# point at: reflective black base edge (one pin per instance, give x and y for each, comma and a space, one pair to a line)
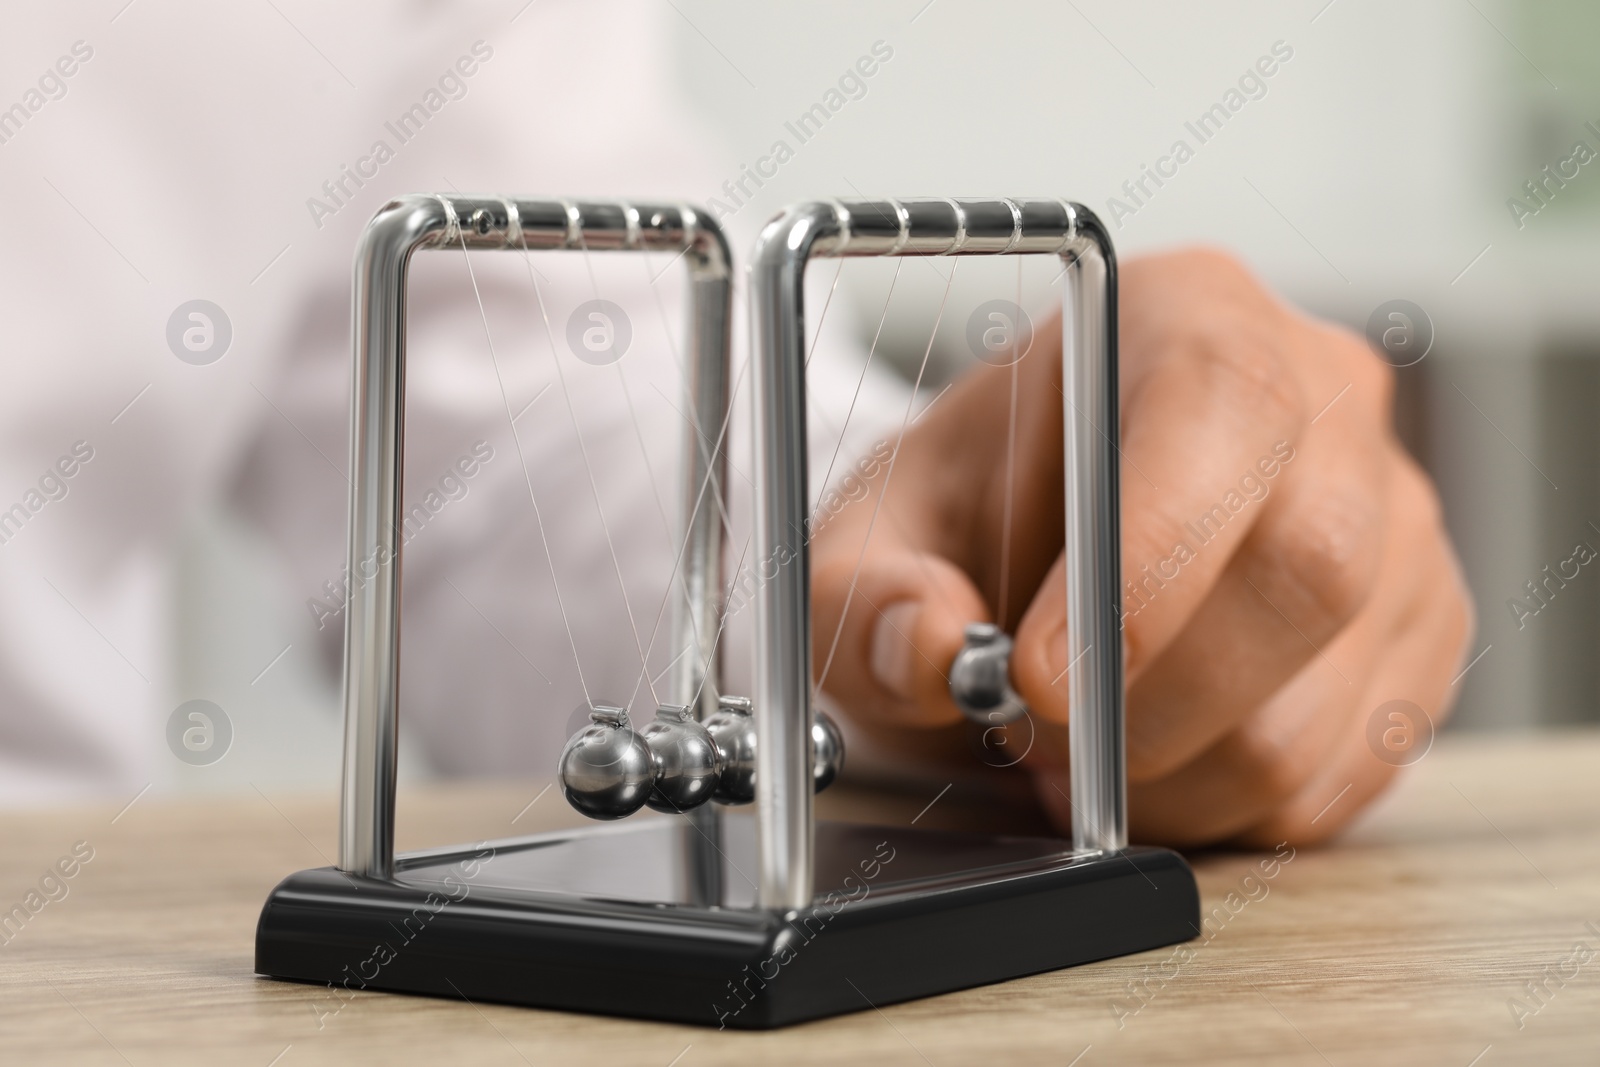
911, 913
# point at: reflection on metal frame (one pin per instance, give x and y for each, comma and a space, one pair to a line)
1093, 551
548, 922
372, 623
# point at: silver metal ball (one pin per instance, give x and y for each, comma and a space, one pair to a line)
688, 765
607, 770
734, 731
828, 751
733, 728
980, 677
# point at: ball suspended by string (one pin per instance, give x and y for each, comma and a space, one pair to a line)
607, 771
980, 677
688, 766
827, 745
733, 730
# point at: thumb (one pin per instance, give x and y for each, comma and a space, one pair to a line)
892, 573
886, 626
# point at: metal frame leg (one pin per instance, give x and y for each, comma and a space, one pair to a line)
372, 621
783, 597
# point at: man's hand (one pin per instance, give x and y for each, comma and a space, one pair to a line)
1286, 568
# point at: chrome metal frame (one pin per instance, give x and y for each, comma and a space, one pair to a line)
548, 927
1093, 548
372, 622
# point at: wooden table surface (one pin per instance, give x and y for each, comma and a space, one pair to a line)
1411, 940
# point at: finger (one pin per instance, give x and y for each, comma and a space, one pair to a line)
1040, 662
1218, 400
886, 636
1352, 777
1307, 568
1211, 403
1285, 745
1427, 651
1260, 764
899, 575
889, 611
1289, 589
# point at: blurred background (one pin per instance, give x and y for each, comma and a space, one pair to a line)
1383, 159
1377, 166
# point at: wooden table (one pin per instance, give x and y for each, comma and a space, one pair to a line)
1407, 942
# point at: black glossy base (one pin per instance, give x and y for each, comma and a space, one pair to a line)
621, 921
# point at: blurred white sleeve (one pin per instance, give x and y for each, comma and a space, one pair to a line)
541, 491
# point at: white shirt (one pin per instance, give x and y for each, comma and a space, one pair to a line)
208, 151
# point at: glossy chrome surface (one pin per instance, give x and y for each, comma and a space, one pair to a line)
607, 771
1094, 542
640, 862
782, 552
372, 622
783, 617
687, 763
734, 731
827, 743
980, 677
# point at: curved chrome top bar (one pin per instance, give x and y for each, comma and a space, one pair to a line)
945, 227
372, 622
421, 220
1093, 549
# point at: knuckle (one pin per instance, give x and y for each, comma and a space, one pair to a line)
1418, 499
1376, 378
1323, 570
1151, 759
1220, 267
1275, 774
1240, 358
1372, 379
1207, 311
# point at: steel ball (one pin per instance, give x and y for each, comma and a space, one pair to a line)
734, 732
688, 765
827, 745
980, 677
607, 770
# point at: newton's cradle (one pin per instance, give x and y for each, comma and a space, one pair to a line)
713, 916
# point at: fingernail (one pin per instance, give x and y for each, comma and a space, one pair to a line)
893, 654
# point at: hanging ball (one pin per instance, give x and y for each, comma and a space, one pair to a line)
734, 731
980, 677
733, 728
688, 765
827, 744
607, 770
